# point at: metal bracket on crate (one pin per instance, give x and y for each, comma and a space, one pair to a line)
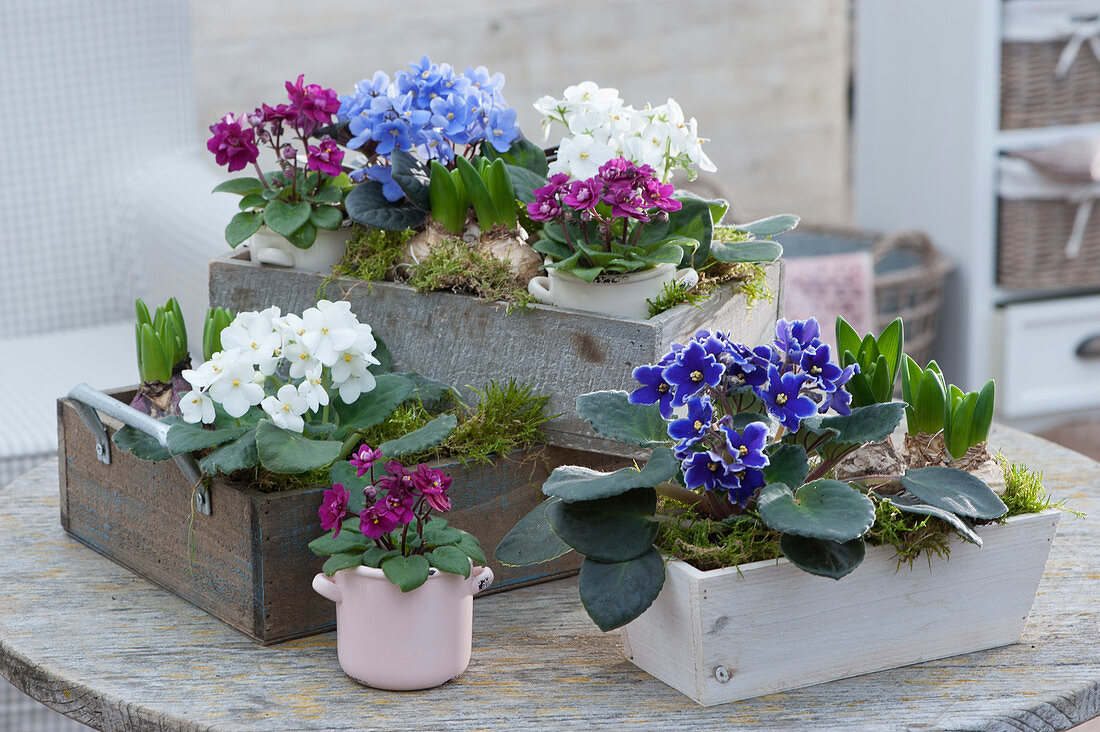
87, 400
99, 432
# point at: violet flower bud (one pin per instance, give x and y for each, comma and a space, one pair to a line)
263, 136
256, 119
288, 152
370, 493
661, 216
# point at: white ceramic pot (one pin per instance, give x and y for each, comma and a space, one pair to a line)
267, 247
620, 295
397, 640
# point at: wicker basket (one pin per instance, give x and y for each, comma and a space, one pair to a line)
914, 293
909, 275
1033, 96
1031, 248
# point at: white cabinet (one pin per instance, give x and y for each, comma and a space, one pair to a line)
927, 137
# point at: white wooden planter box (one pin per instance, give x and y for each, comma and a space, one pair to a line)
740, 632
462, 341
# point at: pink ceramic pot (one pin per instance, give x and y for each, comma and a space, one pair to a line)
397, 640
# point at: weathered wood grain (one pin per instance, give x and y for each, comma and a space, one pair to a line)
247, 562
90, 639
693, 636
460, 340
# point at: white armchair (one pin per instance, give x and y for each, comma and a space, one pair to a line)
106, 197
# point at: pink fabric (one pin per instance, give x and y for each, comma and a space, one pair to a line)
830, 285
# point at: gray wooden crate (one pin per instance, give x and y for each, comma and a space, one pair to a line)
248, 563
462, 341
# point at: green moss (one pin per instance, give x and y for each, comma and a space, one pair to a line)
452, 265
672, 294
1024, 492
707, 544
507, 417
370, 255
910, 534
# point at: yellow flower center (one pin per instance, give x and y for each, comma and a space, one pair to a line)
698, 425
815, 370
662, 389
583, 156
347, 357
742, 451
255, 345
303, 356
236, 382
781, 399
713, 466
696, 376
450, 115
286, 407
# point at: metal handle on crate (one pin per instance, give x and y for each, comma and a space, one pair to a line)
87, 400
1089, 349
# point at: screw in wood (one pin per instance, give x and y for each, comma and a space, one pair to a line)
722, 674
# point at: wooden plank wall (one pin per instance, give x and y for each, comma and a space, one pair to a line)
767, 79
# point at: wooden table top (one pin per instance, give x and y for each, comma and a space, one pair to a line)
109, 649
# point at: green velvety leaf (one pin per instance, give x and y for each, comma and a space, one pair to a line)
374, 406
345, 560
811, 436
346, 542
523, 154
285, 218
427, 436
909, 503
407, 573
822, 509
754, 250
374, 556
343, 472
252, 200
789, 465
576, 483
524, 182
183, 437
611, 529
866, 424
613, 594
413, 177
140, 445
304, 236
770, 226
469, 544
435, 396
449, 559
382, 354
286, 452
328, 194
327, 217
367, 205
240, 186
236, 455
612, 415
531, 540
693, 222
821, 556
438, 533
718, 209
556, 249
242, 226
954, 490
